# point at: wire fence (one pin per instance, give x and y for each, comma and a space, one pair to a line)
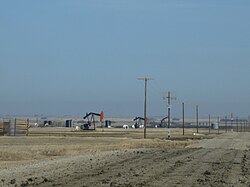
14, 127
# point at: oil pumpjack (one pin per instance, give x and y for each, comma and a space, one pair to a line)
91, 121
138, 122
162, 121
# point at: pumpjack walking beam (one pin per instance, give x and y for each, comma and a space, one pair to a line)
91, 118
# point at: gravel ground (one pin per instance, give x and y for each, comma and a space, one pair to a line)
222, 161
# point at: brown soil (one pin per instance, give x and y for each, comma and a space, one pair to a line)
125, 162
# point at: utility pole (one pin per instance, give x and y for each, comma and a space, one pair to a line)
209, 122
226, 122
197, 118
169, 108
248, 121
218, 121
237, 124
232, 120
145, 79
183, 117
248, 124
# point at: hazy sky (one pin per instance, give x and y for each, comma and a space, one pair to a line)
62, 57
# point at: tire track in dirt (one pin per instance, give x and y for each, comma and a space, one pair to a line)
219, 162
139, 170
188, 167
240, 175
185, 167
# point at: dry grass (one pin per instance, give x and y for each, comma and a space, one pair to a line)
64, 142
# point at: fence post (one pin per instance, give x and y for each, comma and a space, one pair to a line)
183, 119
15, 128
27, 132
226, 123
218, 120
209, 122
237, 125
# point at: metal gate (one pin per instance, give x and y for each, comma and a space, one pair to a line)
21, 127
5, 128
1, 129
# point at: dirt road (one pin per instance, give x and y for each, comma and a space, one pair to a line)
222, 161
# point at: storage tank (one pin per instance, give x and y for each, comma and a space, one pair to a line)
69, 123
214, 126
107, 123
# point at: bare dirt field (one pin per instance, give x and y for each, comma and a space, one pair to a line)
119, 157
